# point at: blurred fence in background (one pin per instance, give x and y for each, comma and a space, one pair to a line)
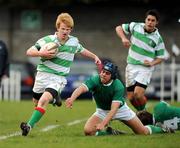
178, 86
165, 82
11, 87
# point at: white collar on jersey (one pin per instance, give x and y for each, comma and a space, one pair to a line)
108, 83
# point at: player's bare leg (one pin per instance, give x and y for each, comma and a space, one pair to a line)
136, 125
137, 98
91, 124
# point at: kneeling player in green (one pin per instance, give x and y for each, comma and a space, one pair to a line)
108, 93
163, 115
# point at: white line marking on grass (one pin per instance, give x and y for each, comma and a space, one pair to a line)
76, 122
10, 135
47, 128
50, 127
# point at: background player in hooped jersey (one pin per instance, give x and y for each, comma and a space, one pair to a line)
108, 93
146, 49
163, 114
50, 78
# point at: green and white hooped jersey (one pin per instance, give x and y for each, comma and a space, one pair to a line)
144, 46
59, 65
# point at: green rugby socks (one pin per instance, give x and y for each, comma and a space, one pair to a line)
36, 116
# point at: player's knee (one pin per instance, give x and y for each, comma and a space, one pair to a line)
88, 131
43, 102
138, 96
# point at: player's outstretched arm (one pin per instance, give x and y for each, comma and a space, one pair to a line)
77, 92
91, 55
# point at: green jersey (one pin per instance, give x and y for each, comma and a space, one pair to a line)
168, 115
144, 46
103, 94
59, 65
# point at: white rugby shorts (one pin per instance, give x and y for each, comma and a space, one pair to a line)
138, 73
45, 80
123, 113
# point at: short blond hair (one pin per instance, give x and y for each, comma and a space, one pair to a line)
65, 18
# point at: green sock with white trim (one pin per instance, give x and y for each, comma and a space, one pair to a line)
154, 129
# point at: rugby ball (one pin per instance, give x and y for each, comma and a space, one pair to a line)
138, 103
51, 46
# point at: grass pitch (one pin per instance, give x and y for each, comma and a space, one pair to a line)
63, 128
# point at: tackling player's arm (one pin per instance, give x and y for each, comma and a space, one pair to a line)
91, 55
77, 92
110, 115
